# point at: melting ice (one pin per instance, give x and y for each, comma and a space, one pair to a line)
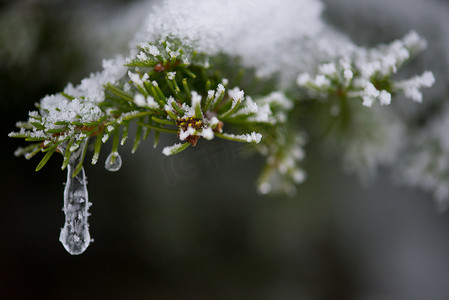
113, 164
75, 234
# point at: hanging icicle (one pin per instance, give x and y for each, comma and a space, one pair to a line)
75, 234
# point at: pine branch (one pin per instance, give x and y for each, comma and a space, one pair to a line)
167, 88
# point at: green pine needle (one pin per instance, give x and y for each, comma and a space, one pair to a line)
45, 159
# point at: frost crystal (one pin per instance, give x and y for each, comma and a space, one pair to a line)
142, 56
170, 150
236, 94
171, 75
139, 99
75, 234
152, 103
411, 87
253, 137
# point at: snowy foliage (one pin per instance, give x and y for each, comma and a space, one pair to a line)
248, 71
365, 73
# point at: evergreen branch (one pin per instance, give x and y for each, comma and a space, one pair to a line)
176, 90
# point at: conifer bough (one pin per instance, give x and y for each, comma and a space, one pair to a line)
200, 79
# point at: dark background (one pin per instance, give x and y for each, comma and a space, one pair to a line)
193, 226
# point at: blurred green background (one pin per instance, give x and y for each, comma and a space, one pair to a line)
192, 226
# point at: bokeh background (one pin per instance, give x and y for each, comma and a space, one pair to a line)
193, 226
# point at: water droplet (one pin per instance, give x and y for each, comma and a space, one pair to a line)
113, 162
75, 236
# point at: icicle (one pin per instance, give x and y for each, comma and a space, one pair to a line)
111, 164
75, 234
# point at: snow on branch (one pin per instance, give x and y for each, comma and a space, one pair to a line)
202, 69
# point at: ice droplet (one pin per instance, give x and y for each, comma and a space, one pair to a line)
113, 164
75, 236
